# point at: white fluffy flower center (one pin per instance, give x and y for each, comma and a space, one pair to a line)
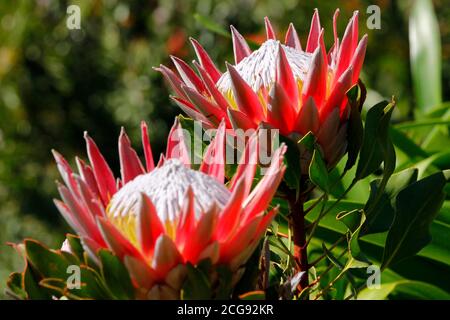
259, 68
166, 186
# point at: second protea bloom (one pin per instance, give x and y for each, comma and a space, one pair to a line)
157, 219
281, 84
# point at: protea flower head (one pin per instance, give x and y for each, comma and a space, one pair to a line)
289, 87
157, 219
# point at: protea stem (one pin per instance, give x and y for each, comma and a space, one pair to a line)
297, 220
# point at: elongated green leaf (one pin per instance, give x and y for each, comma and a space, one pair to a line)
376, 146
425, 54
211, 25
439, 110
416, 207
439, 160
438, 137
421, 123
410, 289
405, 144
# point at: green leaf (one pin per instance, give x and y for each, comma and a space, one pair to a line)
444, 214
425, 55
47, 262
308, 141
318, 173
380, 214
292, 159
439, 248
116, 276
194, 140
439, 110
211, 25
337, 189
421, 123
438, 137
376, 146
406, 145
196, 285
356, 96
31, 285
14, 286
46, 275
410, 290
416, 207
224, 288
440, 160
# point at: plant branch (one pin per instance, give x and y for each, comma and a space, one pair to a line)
297, 221
324, 255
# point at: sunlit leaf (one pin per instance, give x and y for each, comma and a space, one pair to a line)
410, 290
425, 54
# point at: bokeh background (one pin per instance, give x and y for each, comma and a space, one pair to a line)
56, 83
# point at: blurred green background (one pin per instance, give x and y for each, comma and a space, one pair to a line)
55, 83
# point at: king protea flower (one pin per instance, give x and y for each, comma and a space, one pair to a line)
157, 219
288, 87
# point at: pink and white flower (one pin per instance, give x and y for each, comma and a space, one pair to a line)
282, 84
158, 218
